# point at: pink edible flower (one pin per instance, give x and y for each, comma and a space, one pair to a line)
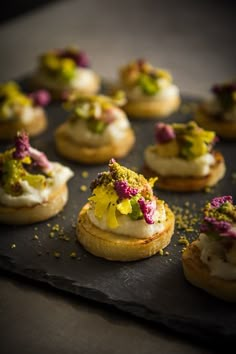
124, 191
164, 133
22, 146
40, 98
218, 201
40, 159
80, 58
148, 209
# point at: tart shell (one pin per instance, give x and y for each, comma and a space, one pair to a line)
223, 128
198, 274
57, 93
9, 128
190, 184
92, 155
39, 212
115, 247
152, 108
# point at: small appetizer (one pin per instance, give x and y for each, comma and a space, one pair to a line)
183, 158
123, 220
64, 70
20, 111
210, 262
150, 91
96, 130
32, 188
219, 113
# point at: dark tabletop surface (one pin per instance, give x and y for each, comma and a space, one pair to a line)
196, 41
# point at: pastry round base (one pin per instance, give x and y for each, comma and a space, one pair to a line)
222, 128
190, 184
152, 108
40, 212
198, 274
92, 155
57, 93
9, 129
116, 247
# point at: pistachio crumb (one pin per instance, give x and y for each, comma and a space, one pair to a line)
167, 253
13, 245
183, 241
57, 254
84, 174
161, 252
35, 237
73, 255
56, 227
52, 234
83, 188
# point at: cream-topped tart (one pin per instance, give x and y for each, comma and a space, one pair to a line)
210, 262
65, 70
96, 130
183, 157
32, 188
219, 113
20, 111
123, 220
150, 91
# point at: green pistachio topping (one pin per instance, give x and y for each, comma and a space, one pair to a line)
12, 100
141, 73
96, 110
190, 142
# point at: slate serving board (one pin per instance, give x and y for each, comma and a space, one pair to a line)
155, 288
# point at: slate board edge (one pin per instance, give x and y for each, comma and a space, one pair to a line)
181, 325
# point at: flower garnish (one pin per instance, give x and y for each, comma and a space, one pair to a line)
219, 218
40, 98
122, 192
16, 163
164, 133
96, 110
148, 209
62, 63
22, 146
12, 100
186, 140
142, 74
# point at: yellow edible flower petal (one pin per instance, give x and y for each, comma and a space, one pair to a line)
124, 207
111, 216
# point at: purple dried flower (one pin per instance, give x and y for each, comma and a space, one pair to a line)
22, 146
226, 88
148, 209
124, 190
164, 133
40, 159
218, 201
40, 98
220, 227
80, 58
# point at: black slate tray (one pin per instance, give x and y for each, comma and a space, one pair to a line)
155, 288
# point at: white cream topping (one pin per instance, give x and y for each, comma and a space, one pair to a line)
167, 91
132, 228
219, 261
25, 114
83, 78
32, 196
114, 132
213, 107
176, 166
